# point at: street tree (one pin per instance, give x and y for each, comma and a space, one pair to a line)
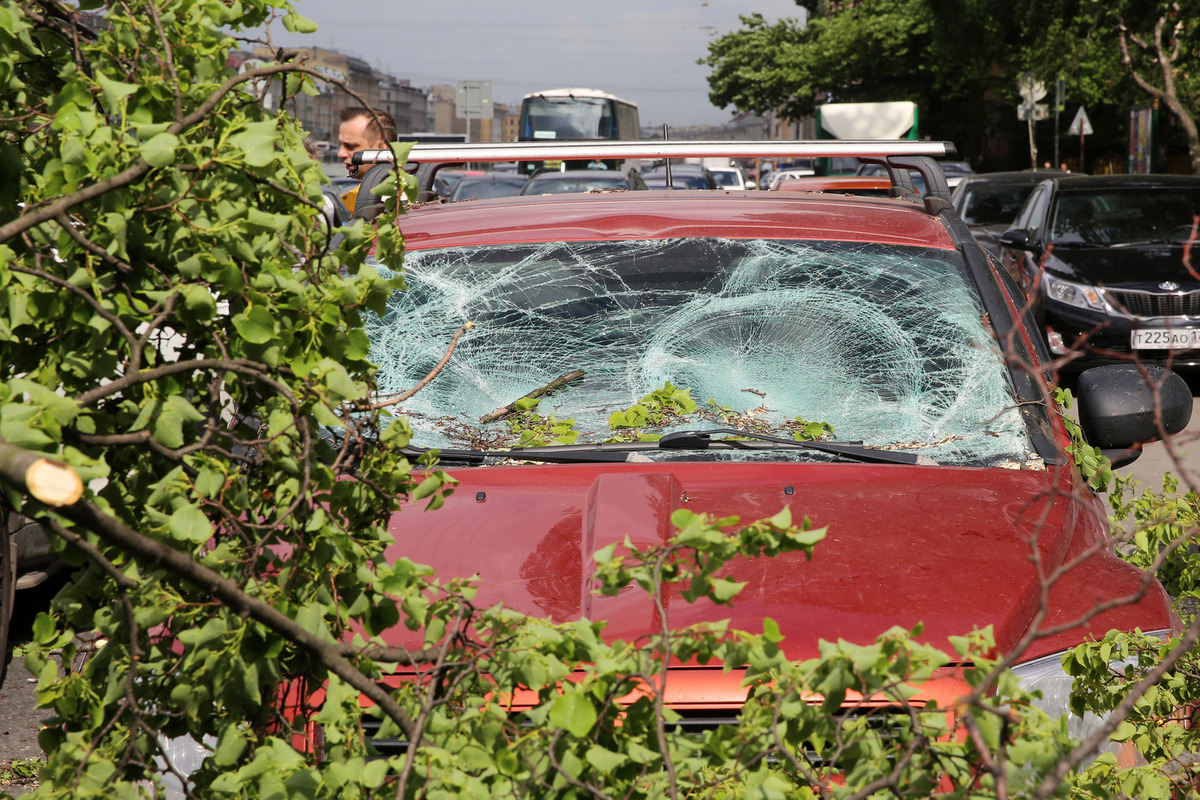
176, 331
960, 62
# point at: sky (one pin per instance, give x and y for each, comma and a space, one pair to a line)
642, 50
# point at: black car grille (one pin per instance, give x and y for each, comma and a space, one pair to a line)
381, 748
887, 723
1155, 304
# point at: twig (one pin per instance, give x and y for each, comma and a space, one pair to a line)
547, 389
432, 374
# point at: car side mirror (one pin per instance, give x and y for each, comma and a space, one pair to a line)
1118, 409
1017, 239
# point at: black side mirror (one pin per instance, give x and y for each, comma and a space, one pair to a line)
1118, 410
1017, 239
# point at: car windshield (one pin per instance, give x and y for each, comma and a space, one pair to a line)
578, 181
726, 177
885, 343
994, 204
1124, 216
679, 180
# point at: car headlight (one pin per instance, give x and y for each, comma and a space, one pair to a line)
1074, 294
1046, 675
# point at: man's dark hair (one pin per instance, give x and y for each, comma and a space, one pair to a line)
388, 130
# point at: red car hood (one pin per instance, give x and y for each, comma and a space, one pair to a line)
952, 548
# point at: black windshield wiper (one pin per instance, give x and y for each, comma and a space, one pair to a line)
701, 440
679, 440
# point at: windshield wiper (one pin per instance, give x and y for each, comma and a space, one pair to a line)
679, 440
702, 440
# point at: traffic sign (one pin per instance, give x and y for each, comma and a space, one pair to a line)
1030, 87
473, 100
1081, 125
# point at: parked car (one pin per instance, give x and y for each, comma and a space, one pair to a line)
683, 176
729, 178
581, 180
488, 185
447, 179
861, 185
988, 202
944, 489
1102, 256
778, 176
956, 172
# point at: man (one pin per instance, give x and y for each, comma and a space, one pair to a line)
360, 131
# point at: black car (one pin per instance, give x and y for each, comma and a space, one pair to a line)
491, 184
683, 176
581, 180
1104, 257
989, 202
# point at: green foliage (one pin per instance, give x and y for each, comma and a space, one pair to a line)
658, 409
1093, 465
534, 430
1158, 532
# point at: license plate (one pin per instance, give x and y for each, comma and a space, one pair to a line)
1164, 339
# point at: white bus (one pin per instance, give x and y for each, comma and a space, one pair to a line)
574, 115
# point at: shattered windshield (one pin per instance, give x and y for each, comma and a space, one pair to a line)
886, 344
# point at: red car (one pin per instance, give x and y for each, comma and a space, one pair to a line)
879, 317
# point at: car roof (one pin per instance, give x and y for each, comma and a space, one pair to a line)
673, 213
832, 183
1072, 181
1023, 176
506, 177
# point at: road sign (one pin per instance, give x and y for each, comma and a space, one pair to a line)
1081, 125
1030, 87
473, 100
1034, 111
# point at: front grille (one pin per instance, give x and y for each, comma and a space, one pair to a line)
886, 723
381, 748
1155, 304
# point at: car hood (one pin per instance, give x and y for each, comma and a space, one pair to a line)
1142, 267
946, 547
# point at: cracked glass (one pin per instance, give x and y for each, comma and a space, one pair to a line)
888, 344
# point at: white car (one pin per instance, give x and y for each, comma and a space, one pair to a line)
780, 175
729, 178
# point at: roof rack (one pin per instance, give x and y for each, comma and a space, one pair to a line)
896, 155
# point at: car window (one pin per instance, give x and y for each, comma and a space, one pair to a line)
886, 343
1031, 212
991, 204
581, 181
1126, 215
726, 178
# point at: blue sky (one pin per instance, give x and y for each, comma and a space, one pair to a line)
642, 50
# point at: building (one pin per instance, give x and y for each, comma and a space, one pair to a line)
320, 115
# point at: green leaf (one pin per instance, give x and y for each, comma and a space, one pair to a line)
160, 151
114, 92
190, 523
255, 324
295, 23
573, 712
258, 142
604, 760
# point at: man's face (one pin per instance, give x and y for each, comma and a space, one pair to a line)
352, 136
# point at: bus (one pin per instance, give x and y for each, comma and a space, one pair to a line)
576, 115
